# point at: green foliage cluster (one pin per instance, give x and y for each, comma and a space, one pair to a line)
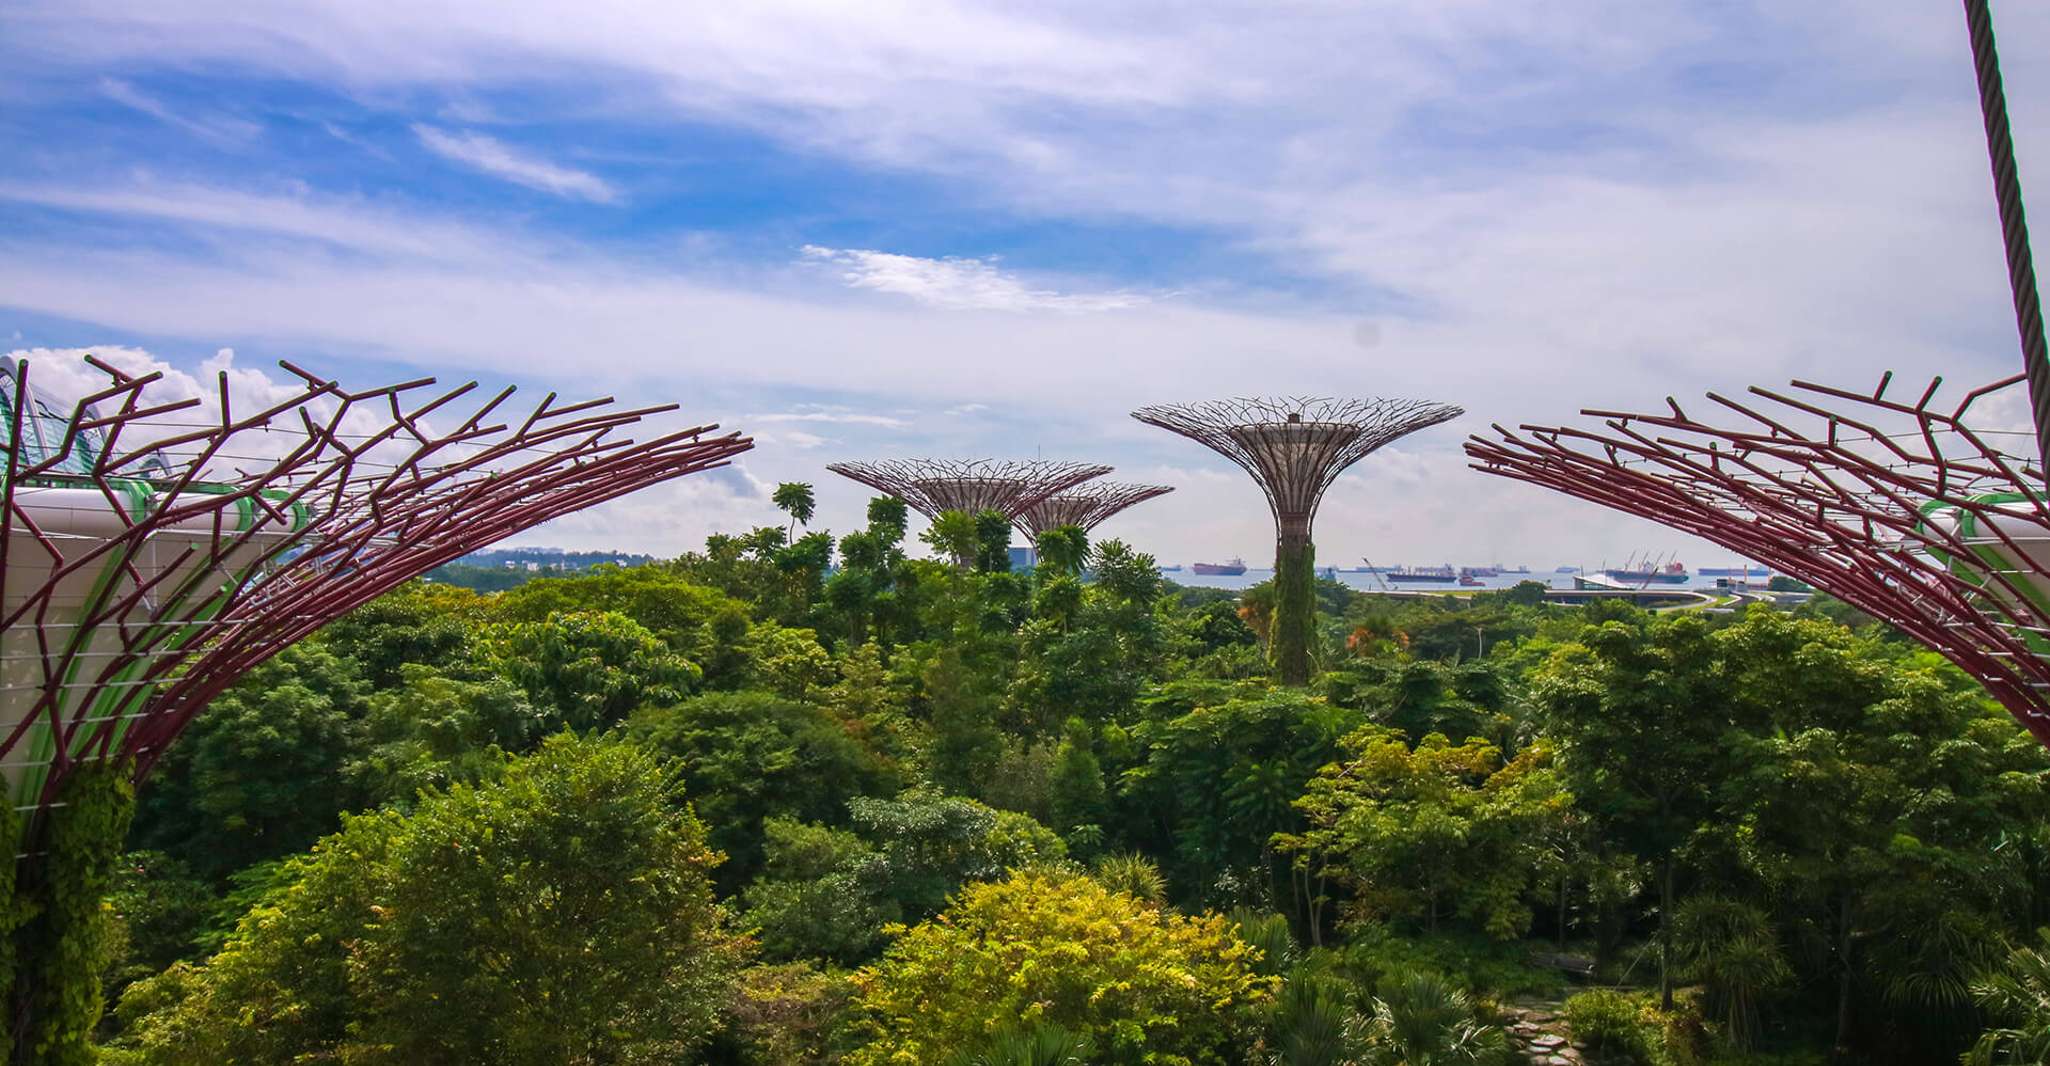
1137, 983
562, 912
1433, 828
798, 798
1621, 1029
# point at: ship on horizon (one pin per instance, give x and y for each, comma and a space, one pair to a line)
1647, 573
1734, 571
1439, 575
1234, 568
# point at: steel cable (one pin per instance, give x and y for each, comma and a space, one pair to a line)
2014, 226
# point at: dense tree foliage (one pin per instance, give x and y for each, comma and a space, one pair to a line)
561, 913
801, 798
1140, 984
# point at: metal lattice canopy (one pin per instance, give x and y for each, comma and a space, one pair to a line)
933, 486
154, 548
1295, 447
1901, 508
1086, 505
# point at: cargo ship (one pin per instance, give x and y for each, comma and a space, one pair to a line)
1734, 571
1441, 575
1230, 569
1644, 574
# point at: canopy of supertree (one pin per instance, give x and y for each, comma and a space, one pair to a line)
155, 547
1925, 514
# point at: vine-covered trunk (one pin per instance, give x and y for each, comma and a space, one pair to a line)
56, 1000
1295, 601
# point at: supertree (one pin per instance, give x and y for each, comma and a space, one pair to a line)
972, 487
935, 486
153, 549
1900, 507
1085, 506
1295, 447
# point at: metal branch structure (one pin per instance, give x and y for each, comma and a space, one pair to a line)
1899, 507
1086, 506
154, 549
934, 486
1295, 447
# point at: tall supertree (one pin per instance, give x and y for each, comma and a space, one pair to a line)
1902, 508
1295, 447
935, 486
1085, 506
153, 549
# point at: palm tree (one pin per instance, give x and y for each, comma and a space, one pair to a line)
1132, 873
1730, 947
2015, 993
954, 534
1063, 549
1421, 1019
1314, 1025
795, 498
1044, 1044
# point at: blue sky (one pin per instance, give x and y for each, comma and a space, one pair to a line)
900, 229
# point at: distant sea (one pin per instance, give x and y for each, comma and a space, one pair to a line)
1373, 583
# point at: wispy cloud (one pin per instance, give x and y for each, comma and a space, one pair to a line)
791, 438
217, 128
353, 141
333, 221
959, 284
833, 416
492, 156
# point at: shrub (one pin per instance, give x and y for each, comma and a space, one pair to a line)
1134, 874
1477, 961
1612, 1026
788, 1014
1419, 1017
1048, 946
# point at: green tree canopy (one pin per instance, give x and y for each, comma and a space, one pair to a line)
561, 913
1438, 828
587, 669
747, 756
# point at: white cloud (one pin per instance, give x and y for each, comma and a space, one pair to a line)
217, 128
833, 415
958, 284
61, 378
795, 438
492, 156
